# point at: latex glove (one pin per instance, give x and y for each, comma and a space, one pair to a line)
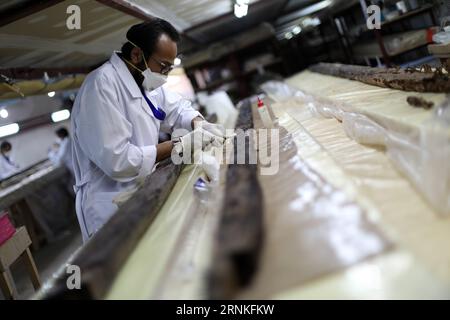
210, 166
196, 141
213, 128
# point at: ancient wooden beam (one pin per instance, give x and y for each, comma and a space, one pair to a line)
103, 256
395, 78
240, 231
20, 9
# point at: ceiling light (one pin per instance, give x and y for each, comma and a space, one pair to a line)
4, 113
60, 115
9, 129
241, 8
296, 30
313, 22
51, 94
304, 12
316, 7
288, 35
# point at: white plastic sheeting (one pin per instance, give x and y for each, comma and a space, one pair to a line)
422, 155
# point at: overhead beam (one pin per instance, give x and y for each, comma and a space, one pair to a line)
136, 12
127, 8
307, 10
38, 73
26, 9
283, 6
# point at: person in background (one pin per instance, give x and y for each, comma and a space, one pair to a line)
63, 154
7, 165
53, 150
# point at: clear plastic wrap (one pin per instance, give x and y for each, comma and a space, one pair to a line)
421, 151
369, 174
312, 227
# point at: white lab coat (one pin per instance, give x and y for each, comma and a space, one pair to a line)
63, 156
114, 135
7, 167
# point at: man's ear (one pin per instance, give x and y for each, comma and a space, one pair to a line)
136, 55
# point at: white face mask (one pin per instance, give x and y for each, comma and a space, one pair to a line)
7, 154
152, 80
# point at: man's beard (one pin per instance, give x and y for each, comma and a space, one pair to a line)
137, 75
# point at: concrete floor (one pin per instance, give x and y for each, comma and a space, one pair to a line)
48, 259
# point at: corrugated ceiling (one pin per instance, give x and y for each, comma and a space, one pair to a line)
43, 40
187, 13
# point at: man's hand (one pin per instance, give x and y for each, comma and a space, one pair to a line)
216, 129
197, 140
163, 150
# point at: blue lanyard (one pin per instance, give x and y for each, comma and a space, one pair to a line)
158, 113
8, 160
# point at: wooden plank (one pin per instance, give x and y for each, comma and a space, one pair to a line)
103, 256
32, 270
395, 78
11, 250
7, 285
240, 231
23, 213
20, 187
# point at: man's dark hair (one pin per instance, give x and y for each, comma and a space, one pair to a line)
5, 146
62, 132
146, 35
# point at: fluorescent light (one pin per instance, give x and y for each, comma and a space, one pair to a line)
304, 12
4, 113
177, 62
9, 129
60, 115
308, 21
242, 2
240, 10
316, 7
296, 30
51, 94
288, 35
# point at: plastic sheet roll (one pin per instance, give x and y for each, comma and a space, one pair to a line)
373, 179
416, 140
312, 227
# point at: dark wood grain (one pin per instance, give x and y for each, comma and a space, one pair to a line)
394, 78
240, 231
102, 257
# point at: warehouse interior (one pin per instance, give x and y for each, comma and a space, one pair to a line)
348, 197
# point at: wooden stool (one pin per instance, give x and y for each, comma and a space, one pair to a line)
14, 248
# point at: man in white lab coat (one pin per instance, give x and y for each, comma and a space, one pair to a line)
116, 119
7, 166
